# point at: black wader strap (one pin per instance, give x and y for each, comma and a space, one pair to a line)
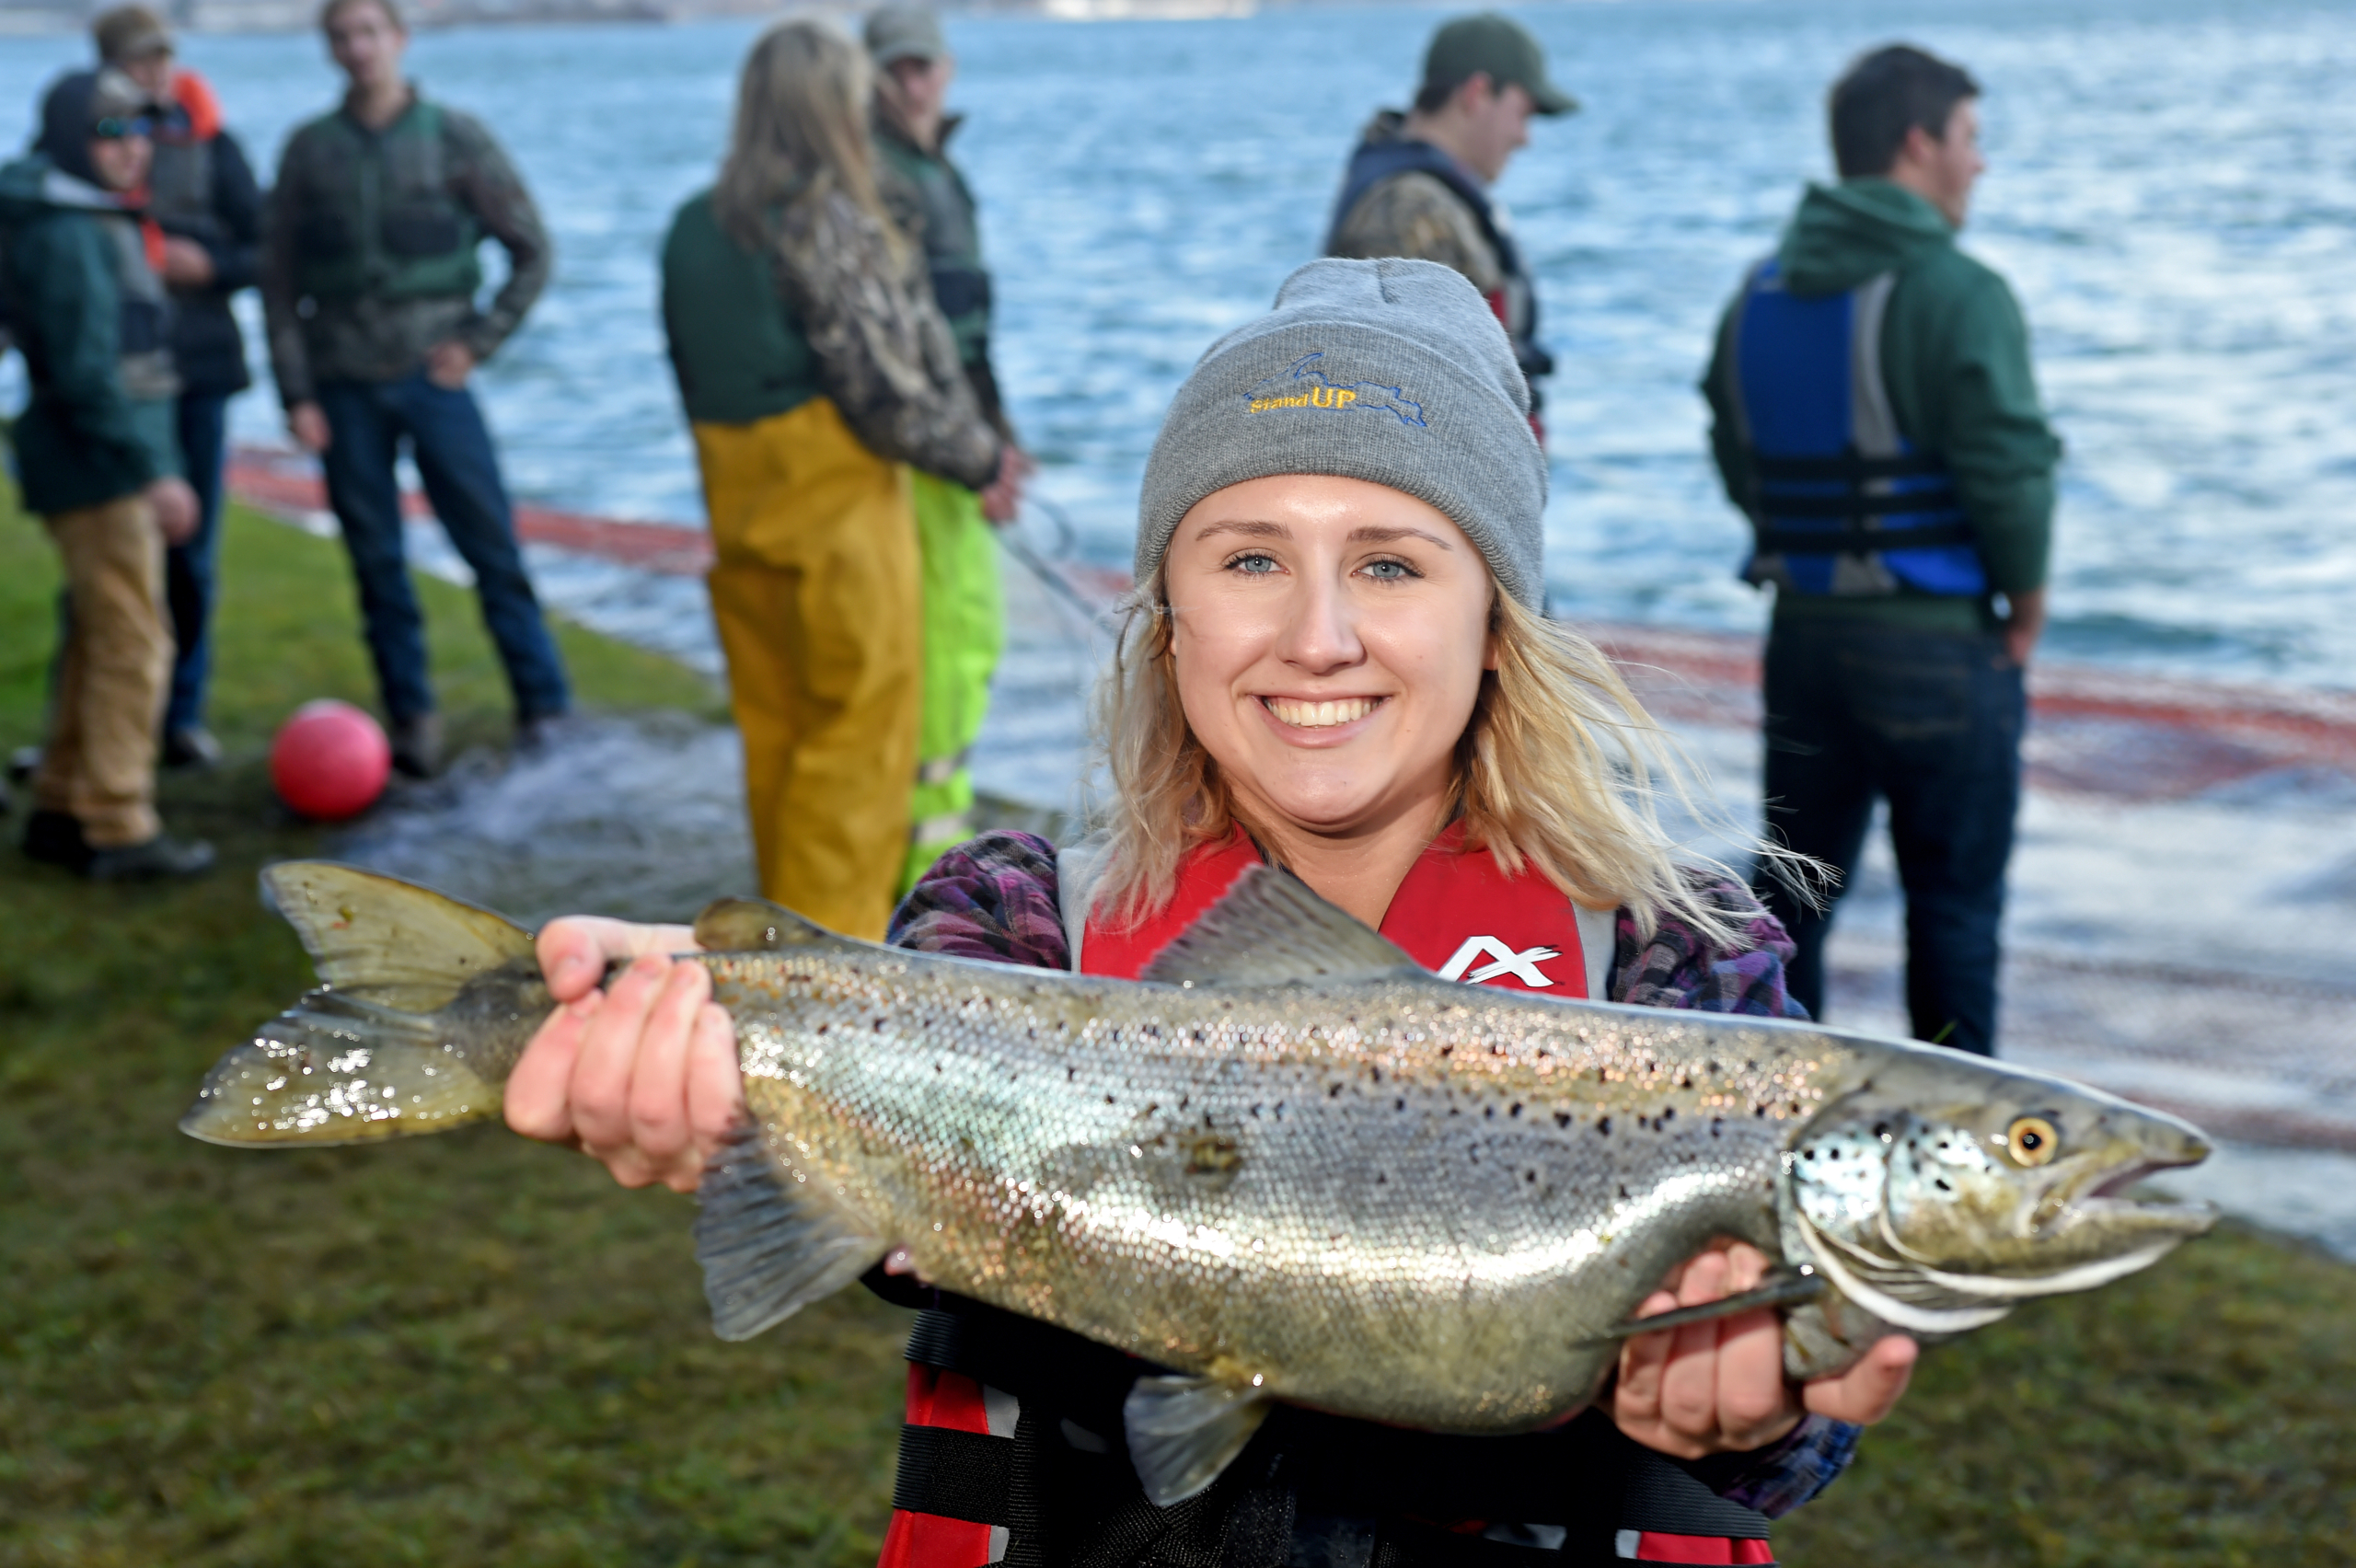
958, 1475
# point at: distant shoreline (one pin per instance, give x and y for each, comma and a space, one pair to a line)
230, 17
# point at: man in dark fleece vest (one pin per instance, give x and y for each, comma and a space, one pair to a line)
98, 465
1418, 184
369, 283
1876, 419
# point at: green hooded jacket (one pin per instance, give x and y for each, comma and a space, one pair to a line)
1955, 355
98, 424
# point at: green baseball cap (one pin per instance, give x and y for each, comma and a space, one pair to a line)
905, 32
1489, 43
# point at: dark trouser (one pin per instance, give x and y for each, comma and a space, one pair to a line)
1932, 722
190, 568
368, 420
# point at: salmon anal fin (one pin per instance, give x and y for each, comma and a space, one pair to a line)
1269, 928
1183, 1432
769, 1244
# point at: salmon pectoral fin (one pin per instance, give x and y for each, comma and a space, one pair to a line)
769, 1244
1183, 1432
1780, 1290
1269, 928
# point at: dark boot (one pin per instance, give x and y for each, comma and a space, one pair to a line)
162, 856
54, 838
416, 745
191, 747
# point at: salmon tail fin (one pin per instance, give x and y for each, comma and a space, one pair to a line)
426, 1003
388, 941
1184, 1432
770, 1242
335, 1068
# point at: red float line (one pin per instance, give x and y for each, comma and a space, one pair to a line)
2200, 734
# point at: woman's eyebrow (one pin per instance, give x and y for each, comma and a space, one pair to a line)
1371, 535
1248, 529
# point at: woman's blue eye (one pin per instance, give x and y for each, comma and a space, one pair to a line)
1388, 571
1258, 565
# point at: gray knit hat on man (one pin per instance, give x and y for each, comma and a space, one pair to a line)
1394, 371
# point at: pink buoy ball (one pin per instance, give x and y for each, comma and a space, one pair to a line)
329, 761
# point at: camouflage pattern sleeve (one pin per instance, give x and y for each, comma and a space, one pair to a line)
1414, 215
483, 180
289, 361
884, 354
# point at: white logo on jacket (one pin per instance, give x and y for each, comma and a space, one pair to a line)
1522, 966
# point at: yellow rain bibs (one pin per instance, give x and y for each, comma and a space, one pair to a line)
815, 587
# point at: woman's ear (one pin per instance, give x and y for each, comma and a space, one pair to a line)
1493, 644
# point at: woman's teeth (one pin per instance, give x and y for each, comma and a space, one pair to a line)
1321, 715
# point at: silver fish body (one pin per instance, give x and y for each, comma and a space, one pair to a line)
1294, 1166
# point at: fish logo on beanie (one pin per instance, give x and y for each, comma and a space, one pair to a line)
1303, 387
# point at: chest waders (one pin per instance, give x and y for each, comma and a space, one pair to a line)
1843, 506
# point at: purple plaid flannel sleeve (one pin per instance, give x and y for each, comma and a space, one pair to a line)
1780, 1477
992, 898
1680, 968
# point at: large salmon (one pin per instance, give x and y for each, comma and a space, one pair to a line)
1288, 1165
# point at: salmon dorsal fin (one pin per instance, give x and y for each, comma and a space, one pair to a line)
387, 940
755, 925
1270, 928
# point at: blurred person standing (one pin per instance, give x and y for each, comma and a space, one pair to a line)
201, 192
963, 615
80, 269
1877, 418
1418, 184
369, 281
817, 373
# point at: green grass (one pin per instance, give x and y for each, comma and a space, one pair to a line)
468, 1349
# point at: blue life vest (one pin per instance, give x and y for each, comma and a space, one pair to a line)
1841, 502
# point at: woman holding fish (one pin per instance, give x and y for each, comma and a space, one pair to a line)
1339, 665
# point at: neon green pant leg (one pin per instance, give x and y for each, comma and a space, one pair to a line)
965, 628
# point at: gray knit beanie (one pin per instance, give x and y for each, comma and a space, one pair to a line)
1393, 372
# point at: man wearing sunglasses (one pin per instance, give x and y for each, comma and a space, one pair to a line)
80, 271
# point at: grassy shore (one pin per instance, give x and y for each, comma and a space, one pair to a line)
467, 1349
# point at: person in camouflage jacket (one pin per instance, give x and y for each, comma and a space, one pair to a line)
824, 389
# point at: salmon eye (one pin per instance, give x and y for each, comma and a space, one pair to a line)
2032, 1141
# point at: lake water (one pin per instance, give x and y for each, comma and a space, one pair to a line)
2173, 194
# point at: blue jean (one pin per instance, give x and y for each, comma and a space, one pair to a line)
191, 568
1930, 723
368, 420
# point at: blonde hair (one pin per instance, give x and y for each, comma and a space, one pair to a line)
800, 133
1560, 769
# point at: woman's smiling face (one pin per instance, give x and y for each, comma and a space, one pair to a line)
1329, 636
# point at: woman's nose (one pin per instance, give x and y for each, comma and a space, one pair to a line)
1321, 633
